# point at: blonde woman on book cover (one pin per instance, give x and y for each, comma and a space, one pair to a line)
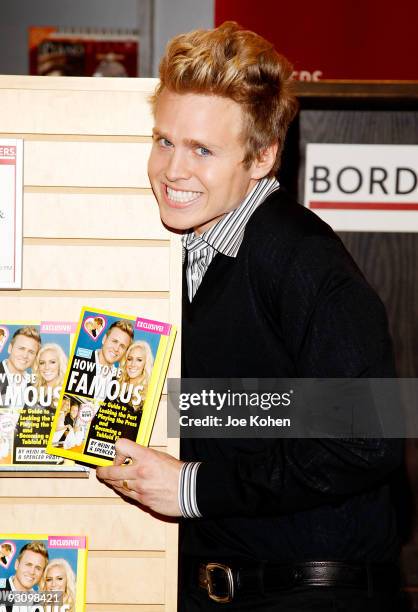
49, 368
59, 576
136, 370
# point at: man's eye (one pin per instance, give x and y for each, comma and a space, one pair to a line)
166, 144
203, 151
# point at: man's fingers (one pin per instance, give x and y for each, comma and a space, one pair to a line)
121, 468
127, 449
116, 472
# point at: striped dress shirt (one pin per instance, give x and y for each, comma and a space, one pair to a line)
224, 237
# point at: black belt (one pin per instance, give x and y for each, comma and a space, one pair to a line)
224, 581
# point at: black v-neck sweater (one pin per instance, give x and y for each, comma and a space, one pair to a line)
291, 304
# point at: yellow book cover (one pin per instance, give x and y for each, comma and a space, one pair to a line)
42, 573
112, 387
33, 363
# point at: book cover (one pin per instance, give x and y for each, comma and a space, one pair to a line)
56, 579
83, 52
11, 213
33, 363
112, 388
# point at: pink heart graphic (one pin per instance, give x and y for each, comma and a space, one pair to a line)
4, 336
94, 326
6, 553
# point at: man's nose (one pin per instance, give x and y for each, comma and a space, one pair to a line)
178, 167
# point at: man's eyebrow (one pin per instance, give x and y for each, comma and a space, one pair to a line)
156, 132
191, 142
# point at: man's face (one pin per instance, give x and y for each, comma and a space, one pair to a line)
22, 353
29, 570
115, 344
195, 167
66, 402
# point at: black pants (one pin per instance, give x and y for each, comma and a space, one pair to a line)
318, 599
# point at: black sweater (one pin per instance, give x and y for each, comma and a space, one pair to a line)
291, 304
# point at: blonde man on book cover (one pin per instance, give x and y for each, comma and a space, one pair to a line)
29, 567
22, 351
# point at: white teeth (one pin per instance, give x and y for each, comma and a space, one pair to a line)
182, 196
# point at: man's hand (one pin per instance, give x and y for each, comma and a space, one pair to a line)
151, 478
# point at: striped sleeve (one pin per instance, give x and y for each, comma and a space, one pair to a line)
187, 490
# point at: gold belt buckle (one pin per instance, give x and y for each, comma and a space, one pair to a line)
210, 570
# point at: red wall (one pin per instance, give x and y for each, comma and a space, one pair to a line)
344, 39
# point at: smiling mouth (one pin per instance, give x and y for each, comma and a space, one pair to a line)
179, 197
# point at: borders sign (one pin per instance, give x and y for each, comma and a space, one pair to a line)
359, 187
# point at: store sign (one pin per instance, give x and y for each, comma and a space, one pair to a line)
11, 189
380, 43
356, 187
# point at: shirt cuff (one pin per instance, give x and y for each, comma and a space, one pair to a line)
187, 490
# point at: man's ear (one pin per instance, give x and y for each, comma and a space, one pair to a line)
104, 339
9, 348
16, 564
264, 161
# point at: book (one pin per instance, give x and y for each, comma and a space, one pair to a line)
83, 52
57, 582
11, 213
33, 363
113, 385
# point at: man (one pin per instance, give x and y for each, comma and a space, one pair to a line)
269, 292
29, 567
115, 343
22, 350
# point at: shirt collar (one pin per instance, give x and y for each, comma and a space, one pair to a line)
6, 368
11, 376
226, 235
